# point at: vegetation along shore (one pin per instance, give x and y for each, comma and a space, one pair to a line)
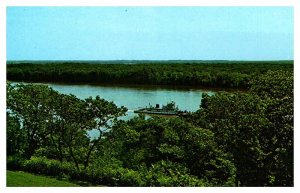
233, 139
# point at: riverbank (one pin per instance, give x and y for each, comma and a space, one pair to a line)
230, 74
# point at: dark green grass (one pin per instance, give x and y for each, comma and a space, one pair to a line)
23, 179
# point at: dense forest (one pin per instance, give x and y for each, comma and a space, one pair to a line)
234, 139
225, 74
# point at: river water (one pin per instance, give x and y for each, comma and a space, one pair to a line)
134, 97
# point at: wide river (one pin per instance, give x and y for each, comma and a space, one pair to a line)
134, 97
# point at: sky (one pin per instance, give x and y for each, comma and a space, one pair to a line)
150, 33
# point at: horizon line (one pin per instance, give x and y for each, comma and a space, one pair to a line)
148, 60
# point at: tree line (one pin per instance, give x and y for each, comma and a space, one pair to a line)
206, 74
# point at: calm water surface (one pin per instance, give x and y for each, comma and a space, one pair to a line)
135, 97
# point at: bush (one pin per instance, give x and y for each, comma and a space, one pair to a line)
167, 173
42, 165
37, 165
164, 173
14, 163
106, 176
130, 177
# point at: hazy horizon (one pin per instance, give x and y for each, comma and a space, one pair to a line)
151, 60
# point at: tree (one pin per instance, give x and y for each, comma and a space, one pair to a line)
58, 123
104, 114
147, 142
256, 128
276, 89
237, 120
15, 135
31, 105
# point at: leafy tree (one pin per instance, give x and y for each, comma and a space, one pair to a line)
104, 113
15, 136
274, 84
256, 128
31, 105
58, 124
237, 120
150, 141
276, 90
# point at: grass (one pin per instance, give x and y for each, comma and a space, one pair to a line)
23, 179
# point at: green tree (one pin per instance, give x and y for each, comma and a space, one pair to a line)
104, 114
15, 135
32, 106
57, 124
146, 142
276, 90
256, 128
237, 120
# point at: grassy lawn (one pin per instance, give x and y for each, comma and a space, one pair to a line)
23, 179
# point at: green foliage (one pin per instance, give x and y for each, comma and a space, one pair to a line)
41, 165
274, 84
228, 74
276, 90
15, 162
256, 128
234, 139
105, 176
167, 173
55, 124
32, 107
15, 141
150, 141
170, 106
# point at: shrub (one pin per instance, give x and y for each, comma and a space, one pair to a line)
42, 165
14, 162
54, 168
107, 176
130, 177
36, 165
167, 173
164, 173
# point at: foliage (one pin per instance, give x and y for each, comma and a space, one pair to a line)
150, 141
15, 135
256, 128
274, 84
26, 105
234, 139
15, 162
276, 89
167, 173
56, 122
171, 106
160, 174
230, 74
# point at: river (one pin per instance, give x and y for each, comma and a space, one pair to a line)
134, 97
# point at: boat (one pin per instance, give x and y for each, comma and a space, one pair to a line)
155, 111
169, 109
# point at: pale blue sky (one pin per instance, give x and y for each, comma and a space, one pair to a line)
150, 33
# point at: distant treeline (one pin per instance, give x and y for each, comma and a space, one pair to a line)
229, 74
